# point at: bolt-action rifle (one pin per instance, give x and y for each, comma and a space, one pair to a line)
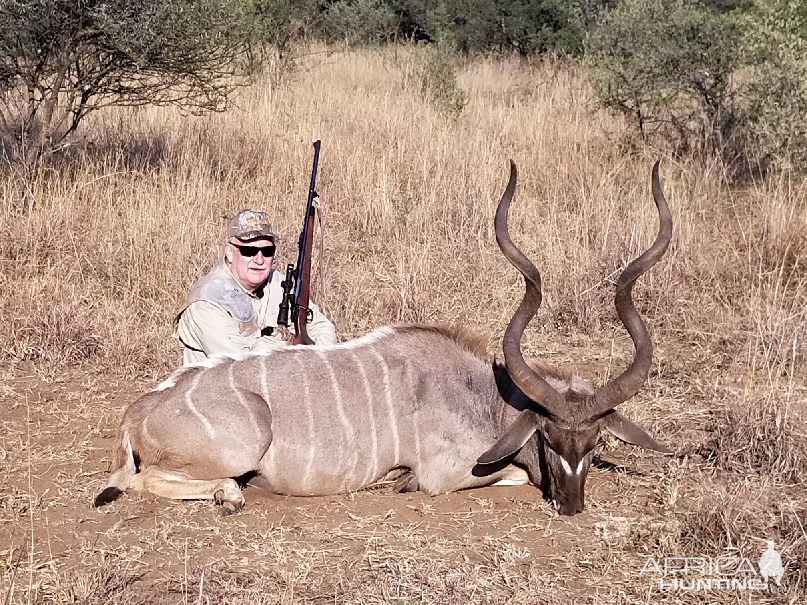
298, 278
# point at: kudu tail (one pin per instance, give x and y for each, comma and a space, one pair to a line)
125, 470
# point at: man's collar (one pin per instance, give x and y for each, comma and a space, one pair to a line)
258, 292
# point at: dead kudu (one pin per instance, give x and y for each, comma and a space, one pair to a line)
422, 404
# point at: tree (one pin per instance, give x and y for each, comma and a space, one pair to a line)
527, 27
60, 60
669, 65
279, 23
774, 53
726, 82
359, 22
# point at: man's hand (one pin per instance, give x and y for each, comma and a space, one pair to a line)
285, 334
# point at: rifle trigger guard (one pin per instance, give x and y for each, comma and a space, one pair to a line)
309, 316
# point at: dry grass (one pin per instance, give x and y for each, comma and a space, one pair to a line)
124, 223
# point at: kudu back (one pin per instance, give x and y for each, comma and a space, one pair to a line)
423, 406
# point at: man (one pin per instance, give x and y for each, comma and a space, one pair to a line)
233, 309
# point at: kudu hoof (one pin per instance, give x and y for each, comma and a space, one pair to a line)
228, 507
407, 482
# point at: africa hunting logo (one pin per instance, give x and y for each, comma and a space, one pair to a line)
721, 573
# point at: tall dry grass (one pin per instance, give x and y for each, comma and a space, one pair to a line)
125, 222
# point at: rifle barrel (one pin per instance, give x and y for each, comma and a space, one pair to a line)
309, 211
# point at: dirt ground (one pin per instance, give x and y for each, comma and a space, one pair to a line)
492, 545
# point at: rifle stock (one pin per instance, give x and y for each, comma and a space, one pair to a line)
301, 313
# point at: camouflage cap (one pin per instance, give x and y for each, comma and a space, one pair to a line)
250, 224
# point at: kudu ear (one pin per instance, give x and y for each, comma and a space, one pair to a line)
625, 430
514, 439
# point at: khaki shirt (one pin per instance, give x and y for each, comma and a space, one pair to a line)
220, 317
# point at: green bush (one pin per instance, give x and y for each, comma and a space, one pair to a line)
523, 26
669, 66
412, 17
775, 96
527, 27
719, 85
359, 22
439, 84
278, 23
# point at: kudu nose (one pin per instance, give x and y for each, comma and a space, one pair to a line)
571, 509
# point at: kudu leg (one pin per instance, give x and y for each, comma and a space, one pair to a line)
406, 482
169, 485
516, 478
509, 475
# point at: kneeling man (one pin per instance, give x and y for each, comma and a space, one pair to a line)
233, 309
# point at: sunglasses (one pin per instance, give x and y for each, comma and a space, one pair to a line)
250, 251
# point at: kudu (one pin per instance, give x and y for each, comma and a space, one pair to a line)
421, 405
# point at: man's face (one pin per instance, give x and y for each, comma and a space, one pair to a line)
250, 262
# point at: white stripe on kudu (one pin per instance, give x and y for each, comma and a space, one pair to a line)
168, 382
359, 342
373, 471
410, 379
348, 430
396, 441
145, 434
189, 402
265, 384
240, 397
309, 415
566, 466
355, 343
270, 455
